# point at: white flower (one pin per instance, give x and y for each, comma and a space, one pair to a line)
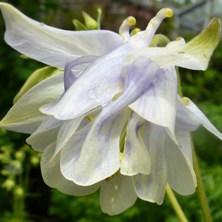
113, 119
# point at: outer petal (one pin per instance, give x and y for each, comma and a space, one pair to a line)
25, 116
158, 103
180, 173
135, 158
96, 153
53, 177
193, 55
45, 134
50, 45
152, 187
117, 194
202, 118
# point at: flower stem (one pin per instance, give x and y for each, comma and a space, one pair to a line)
175, 204
201, 191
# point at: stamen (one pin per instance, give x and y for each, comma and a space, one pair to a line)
125, 27
185, 101
90, 117
156, 21
135, 31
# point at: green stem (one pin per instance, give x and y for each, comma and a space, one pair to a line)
201, 191
175, 204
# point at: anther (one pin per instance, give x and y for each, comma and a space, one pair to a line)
125, 27
185, 101
135, 31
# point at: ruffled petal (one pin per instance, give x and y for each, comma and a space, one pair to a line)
45, 134
53, 46
180, 173
53, 177
152, 187
158, 103
202, 118
135, 158
100, 83
25, 116
117, 194
95, 155
193, 55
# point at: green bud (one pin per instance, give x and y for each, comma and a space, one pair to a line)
8, 184
79, 25
19, 155
91, 23
18, 191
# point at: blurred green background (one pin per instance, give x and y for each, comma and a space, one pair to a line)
24, 196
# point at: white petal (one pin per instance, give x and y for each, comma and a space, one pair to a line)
117, 194
185, 120
90, 158
25, 116
45, 134
180, 173
51, 45
135, 158
53, 177
152, 187
66, 131
203, 119
158, 103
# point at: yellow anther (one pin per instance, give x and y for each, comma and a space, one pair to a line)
90, 118
168, 12
135, 31
131, 21
185, 101
178, 38
121, 156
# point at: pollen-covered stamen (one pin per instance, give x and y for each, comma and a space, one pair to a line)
124, 29
185, 101
135, 31
156, 21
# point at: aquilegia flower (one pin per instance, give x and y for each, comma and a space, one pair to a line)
112, 120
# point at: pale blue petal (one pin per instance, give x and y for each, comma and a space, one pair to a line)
54, 46
152, 187
45, 134
117, 194
158, 103
180, 173
75, 68
95, 87
53, 177
135, 158
25, 116
203, 119
101, 82
95, 155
